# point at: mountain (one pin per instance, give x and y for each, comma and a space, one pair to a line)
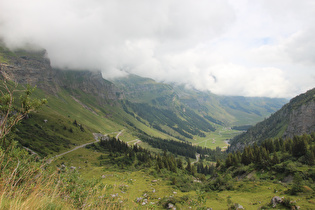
294, 118
132, 103
146, 162
223, 110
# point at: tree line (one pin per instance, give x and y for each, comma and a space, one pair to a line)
275, 151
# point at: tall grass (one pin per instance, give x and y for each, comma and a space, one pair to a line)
26, 182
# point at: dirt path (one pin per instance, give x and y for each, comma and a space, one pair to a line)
227, 144
96, 137
118, 134
31, 151
137, 142
132, 141
197, 159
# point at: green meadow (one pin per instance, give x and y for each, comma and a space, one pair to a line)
218, 138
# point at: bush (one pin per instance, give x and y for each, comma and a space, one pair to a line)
297, 184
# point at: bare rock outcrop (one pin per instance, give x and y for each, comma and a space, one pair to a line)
33, 67
301, 120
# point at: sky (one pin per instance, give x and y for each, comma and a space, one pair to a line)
262, 48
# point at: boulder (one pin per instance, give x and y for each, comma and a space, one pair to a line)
238, 206
275, 200
139, 199
171, 206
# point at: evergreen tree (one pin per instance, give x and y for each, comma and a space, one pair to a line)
188, 167
277, 145
297, 184
245, 159
180, 163
218, 163
309, 158
275, 159
288, 145
229, 160
299, 147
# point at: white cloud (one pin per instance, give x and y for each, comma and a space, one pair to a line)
233, 47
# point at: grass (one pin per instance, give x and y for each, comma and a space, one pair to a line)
67, 106
51, 131
129, 185
216, 139
25, 185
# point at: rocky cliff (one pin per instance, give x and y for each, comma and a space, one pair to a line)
301, 120
28, 68
295, 118
88, 82
33, 67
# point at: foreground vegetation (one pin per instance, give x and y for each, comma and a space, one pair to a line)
112, 174
105, 176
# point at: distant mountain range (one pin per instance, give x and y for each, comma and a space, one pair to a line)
224, 110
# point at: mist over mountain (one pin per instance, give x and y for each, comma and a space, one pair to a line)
227, 47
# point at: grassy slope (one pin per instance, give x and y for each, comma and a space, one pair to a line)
132, 184
59, 134
121, 188
143, 90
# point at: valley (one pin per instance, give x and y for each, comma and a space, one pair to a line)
134, 143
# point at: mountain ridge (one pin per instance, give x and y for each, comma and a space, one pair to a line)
294, 118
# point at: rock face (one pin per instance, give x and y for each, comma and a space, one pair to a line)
301, 120
29, 68
88, 82
34, 68
295, 118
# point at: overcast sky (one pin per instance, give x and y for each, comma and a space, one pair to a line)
236, 47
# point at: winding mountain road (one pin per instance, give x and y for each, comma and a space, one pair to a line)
96, 137
120, 132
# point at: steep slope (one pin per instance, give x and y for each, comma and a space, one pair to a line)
158, 105
82, 97
90, 83
230, 110
295, 118
28, 67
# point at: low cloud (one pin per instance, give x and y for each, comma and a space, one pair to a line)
228, 47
